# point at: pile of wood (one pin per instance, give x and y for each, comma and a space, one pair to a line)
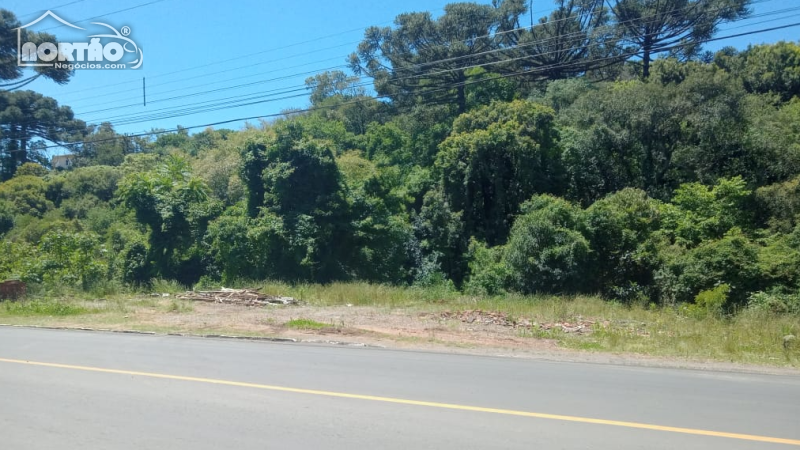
245, 297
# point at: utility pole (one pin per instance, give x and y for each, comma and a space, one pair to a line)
531, 10
144, 93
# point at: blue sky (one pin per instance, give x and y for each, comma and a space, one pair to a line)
191, 48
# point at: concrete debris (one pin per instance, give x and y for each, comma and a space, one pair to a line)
245, 297
477, 316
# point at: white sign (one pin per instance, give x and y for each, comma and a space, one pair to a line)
98, 51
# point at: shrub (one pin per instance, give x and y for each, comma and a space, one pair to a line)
545, 252
710, 302
732, 260
775, 302
624, 255
488, 273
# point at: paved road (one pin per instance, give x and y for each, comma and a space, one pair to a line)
81, 390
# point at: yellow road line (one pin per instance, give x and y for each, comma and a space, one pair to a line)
509, 412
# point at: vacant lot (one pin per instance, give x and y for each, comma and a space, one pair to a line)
431, 319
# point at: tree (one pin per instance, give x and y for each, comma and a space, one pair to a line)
172, 203
773, 69
423, 59
700, 213
497, 157
9, 70
382, 234
28, 121
655, 136
297, 179
103, 146
27, 194
571, 41
675, 26
332, 83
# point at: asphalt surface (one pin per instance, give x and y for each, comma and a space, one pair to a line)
165, 392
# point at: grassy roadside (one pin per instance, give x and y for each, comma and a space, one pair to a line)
750, 337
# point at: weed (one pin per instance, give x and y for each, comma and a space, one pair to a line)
306, 324
44, 308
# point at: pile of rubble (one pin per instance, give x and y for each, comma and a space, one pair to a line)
482, 317
477, 316
245, 297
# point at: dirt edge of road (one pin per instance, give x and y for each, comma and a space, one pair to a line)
551, 354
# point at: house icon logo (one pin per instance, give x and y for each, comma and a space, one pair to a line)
114, 50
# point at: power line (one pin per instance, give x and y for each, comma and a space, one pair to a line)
579, 35
268, 51
208, 106
41, 11
274, 115
135, 97
109, 13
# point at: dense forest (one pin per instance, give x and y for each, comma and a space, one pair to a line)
600, 150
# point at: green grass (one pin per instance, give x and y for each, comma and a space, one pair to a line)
43, 308
353, 293
306, 324
180, 307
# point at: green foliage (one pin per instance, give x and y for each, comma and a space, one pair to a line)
136, 268
103, 146
244, 247
496, 157
545, 252
443, 48
625, 256
43, 308
773, 69
27, 194
442, 242
779, 259
701, 213
775, 302
710, 302
488, 272
27, 119
332, 83
72, 259
7, 219
9, 69
657, 26
732, 260
485, 87
306, 324
98, 181
672, 187
31, 169
174, 205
